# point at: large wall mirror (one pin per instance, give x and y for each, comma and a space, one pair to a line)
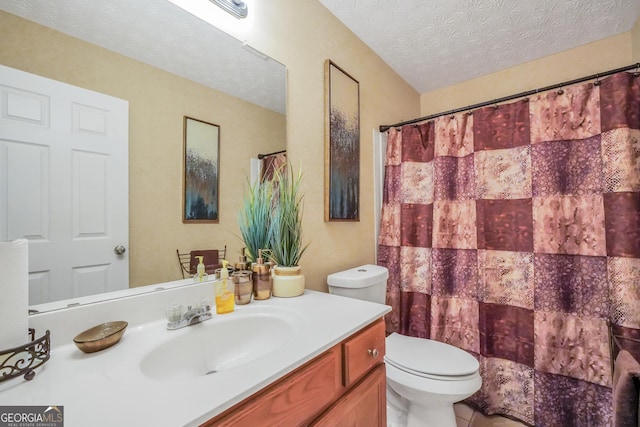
167, 64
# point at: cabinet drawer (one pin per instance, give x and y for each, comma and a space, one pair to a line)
362, 352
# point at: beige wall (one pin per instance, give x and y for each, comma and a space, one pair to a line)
586, 60
157, 103
302, 35
302, 38
635, 42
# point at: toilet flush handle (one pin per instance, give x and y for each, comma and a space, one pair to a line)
373, 353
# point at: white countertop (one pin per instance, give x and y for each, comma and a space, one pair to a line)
108, 388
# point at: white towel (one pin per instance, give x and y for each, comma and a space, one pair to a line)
14, 293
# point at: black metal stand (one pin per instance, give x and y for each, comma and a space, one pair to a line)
24, 359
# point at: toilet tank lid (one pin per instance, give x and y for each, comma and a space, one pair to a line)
358, 277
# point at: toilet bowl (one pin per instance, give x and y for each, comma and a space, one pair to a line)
424, 377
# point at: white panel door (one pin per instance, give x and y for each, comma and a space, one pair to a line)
64, 184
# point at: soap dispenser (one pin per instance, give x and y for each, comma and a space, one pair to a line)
201, 274
224, 290
262, 282
242, 263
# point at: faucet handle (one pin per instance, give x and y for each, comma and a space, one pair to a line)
174, 313
204, 304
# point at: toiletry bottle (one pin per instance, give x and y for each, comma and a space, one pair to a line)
201, 274
224, 289
242, 263
261, 279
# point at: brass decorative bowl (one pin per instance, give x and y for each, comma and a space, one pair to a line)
100, 337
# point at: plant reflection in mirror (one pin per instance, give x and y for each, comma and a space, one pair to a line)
253, 218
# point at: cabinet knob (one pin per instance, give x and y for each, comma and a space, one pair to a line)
373, 353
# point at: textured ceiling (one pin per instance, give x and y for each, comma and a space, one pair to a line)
437, 43
161, 34
430, 43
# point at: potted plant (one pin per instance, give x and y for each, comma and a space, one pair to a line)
285, 233
253, 221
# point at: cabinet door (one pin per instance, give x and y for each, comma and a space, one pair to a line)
363, 405
292, 401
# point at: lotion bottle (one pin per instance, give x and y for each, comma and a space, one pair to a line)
224, 290
201, 274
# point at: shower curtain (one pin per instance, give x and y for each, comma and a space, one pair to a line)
271, 163
513, 232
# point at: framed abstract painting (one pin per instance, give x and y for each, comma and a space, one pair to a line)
342, 145
201, 182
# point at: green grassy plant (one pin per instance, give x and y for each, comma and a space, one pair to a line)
285, 229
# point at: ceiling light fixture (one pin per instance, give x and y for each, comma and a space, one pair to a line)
237, 8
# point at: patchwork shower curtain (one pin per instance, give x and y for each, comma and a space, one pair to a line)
513, 232
272, 163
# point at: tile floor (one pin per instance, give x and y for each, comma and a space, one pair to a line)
466, 416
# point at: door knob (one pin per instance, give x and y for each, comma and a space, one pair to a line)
119, 250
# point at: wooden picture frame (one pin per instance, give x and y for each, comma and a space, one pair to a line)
201, 177
342, 145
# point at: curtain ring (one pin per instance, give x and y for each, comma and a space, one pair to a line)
597, 82
636, 73
560, 91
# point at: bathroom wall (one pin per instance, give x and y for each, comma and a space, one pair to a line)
591, 58
635, 42
302, 35
157, 103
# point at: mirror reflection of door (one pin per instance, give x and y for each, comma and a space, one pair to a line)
64, 157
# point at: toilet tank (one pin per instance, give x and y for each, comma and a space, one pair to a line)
367, 282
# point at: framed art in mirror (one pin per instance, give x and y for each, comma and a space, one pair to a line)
201, 181
342, 145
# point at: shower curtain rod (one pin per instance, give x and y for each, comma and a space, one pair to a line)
262, 156
384, 128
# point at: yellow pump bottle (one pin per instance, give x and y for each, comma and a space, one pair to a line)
224, 289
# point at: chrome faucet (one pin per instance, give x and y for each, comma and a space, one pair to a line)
177, 319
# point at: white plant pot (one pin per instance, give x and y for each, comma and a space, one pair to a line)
287, 282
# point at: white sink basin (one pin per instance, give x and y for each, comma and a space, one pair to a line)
217, 345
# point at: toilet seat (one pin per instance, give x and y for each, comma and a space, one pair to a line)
430, 359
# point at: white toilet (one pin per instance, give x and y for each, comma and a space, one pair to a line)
424, 377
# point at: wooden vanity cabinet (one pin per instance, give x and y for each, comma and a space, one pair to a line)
363, 405
344, 386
